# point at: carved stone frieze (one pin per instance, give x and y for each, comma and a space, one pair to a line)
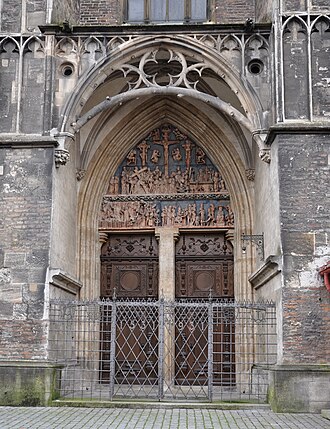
167, 197
166, 162
139, 214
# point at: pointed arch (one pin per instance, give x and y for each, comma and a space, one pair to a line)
131, 50
110, 144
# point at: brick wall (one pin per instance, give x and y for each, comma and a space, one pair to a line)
305, 232
102, 12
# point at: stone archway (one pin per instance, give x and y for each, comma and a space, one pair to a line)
104, 166
108, 136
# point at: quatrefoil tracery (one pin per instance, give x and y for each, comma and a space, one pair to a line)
145, 78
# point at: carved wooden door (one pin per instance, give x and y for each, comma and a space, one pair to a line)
129, 269
129, 266
204, 268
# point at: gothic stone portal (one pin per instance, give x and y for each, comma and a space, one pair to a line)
167, 181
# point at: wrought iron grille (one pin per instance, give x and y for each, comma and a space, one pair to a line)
195, 350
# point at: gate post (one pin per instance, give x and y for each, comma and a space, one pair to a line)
210, 351
161, 350
113, 349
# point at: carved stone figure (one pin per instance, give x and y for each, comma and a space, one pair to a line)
144, 152
131, 157
200, 156
176, 154
155, 156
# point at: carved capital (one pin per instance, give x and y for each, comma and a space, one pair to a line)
230, 236
264, 155
250, 174
103, 237
80, 174
62, 156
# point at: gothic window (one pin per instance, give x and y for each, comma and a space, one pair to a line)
157, 11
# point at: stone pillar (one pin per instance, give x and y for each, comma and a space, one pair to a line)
167, 237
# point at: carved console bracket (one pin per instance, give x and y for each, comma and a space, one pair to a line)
64, 281
62, 155
266, 272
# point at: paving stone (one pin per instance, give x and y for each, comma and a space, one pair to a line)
123, 418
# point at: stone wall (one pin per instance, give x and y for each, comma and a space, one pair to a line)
264, 10
11, 14
17, 15
25, 201
65, 10
305, 231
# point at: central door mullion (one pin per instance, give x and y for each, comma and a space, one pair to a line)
167, 237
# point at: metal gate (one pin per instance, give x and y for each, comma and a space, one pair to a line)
195, 350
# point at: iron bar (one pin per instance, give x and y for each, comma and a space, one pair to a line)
113, 349
210, 351
215, 350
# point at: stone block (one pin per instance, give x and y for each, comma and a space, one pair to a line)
299, 388
27, 384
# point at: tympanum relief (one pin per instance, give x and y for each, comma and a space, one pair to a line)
166, 180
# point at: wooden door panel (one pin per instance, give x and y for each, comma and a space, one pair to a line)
129, 269
204, 266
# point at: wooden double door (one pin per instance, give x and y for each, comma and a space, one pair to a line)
203, 270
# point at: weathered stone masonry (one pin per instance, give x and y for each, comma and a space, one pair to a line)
304, 178
264, 65
26, 196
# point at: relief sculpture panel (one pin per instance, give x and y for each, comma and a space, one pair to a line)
166, 180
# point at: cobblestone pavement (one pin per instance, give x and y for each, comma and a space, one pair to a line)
120, 418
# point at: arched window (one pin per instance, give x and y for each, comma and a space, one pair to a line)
157, 11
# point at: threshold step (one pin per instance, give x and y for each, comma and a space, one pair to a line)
159, 404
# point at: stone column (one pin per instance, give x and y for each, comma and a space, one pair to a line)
167, 237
